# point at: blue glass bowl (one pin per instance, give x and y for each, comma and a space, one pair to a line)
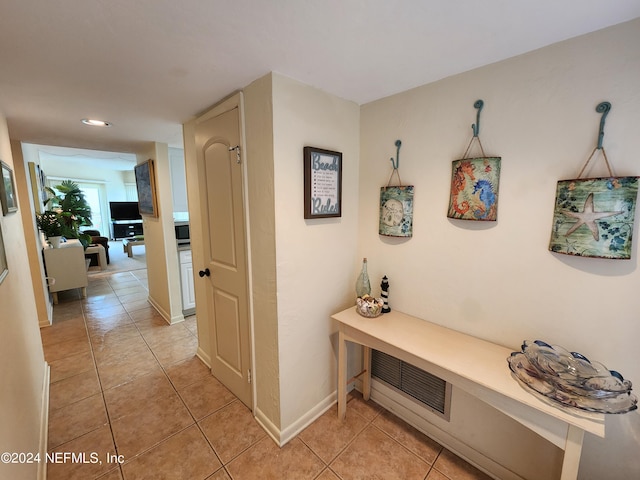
569, 379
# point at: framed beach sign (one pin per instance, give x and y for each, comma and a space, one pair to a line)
322, 183
146, 186
593, 217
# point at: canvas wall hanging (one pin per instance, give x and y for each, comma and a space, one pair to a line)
593, 217
475, 182
396, 204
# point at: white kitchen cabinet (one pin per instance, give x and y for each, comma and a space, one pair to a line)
186, 280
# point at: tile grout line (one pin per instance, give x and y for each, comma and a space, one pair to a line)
369, 422
162, 367
95, 366
347, 445
102, 390
163, 371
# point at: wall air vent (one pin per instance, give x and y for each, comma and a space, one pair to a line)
429, 390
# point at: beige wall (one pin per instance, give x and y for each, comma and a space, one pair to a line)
258, 115
302, 270
316, 260
33, 242
160, 243
498, 281
22, 367
195, 231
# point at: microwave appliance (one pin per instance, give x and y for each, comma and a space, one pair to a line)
182, 233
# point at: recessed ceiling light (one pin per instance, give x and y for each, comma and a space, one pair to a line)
95, 123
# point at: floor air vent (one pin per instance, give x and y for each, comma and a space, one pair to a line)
422, 386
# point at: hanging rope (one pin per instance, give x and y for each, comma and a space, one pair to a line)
397, 173
466, 152
606, 161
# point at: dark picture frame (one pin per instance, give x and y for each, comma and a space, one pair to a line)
146, 186
4, 267
322, 183
8, 190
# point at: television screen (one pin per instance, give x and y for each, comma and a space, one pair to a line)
124, 211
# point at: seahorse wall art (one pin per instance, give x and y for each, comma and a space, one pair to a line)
474, 189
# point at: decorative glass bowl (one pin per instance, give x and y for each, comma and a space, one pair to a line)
368, 306
570, 379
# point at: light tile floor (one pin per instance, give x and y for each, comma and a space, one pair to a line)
129, 392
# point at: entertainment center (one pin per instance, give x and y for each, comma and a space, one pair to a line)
126, 220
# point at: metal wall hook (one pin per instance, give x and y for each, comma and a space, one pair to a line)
602, 108
476, 126
396, 163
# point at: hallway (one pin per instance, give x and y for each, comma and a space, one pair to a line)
128, 390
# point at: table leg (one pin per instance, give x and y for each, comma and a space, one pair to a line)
102, 258
366, 379
342, 376
572, 452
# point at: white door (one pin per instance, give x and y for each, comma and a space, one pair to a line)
225, 251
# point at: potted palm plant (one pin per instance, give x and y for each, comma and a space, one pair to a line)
73, 209
50, 223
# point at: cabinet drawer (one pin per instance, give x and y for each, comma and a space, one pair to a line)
185, 256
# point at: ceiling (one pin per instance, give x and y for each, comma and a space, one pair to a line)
148, 66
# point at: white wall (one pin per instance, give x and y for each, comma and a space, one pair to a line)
160, 241
258, 124
114, 180
498, 281
22, 367
315, 259
178, 180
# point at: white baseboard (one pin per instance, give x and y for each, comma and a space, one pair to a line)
44, 423
417, 416
268, 426
202, 355
171, 320
307, 419
282, 437
47, 322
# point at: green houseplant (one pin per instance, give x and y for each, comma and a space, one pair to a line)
50, 223
68, 201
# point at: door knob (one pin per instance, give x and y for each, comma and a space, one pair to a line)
204, 273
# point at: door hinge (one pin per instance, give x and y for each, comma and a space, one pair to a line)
237, 149
248, 376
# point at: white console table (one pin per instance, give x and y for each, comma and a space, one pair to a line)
66, 268
476, 366
101, 254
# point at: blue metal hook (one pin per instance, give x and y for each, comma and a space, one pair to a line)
396, 163
476, 126
602, 108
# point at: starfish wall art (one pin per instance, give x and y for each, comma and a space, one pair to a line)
594, 217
